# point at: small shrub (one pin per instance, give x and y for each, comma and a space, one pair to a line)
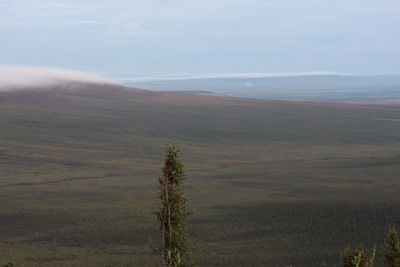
392, 249
358, 257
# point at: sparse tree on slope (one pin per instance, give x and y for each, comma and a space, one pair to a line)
392, 249
173, 213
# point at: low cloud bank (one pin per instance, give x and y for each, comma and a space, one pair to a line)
15, 77
176, 77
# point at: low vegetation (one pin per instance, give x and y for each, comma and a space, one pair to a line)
392, 249
273, 182
358, 257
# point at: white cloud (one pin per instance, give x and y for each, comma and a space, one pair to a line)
16, 77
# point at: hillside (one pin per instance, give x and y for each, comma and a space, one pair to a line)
274, 182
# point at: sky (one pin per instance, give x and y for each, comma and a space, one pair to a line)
137, 38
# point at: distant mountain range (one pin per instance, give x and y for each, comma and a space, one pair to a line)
320, 88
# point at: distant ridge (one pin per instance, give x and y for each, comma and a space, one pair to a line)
324, 87
175, 77
196, 92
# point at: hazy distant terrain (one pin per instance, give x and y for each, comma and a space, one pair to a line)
271, 182
325, 88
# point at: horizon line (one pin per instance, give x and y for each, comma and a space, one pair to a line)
183, 76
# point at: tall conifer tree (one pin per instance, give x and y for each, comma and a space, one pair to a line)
173, 212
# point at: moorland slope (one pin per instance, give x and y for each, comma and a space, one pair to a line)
272, 182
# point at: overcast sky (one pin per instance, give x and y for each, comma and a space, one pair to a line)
141, 37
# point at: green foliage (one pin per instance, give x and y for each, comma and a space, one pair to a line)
358, 257
173, 213
392, 249
9, 264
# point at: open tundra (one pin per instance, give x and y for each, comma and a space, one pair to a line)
271, 182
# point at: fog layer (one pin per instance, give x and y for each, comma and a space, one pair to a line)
16, 77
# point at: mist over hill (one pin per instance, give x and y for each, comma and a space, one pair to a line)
16, 78
322, 87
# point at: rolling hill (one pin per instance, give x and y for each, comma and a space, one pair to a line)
272, 183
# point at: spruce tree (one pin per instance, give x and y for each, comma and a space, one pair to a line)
392, 249
173, 212
358, 257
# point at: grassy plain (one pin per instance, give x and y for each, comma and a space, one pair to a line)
271, 183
